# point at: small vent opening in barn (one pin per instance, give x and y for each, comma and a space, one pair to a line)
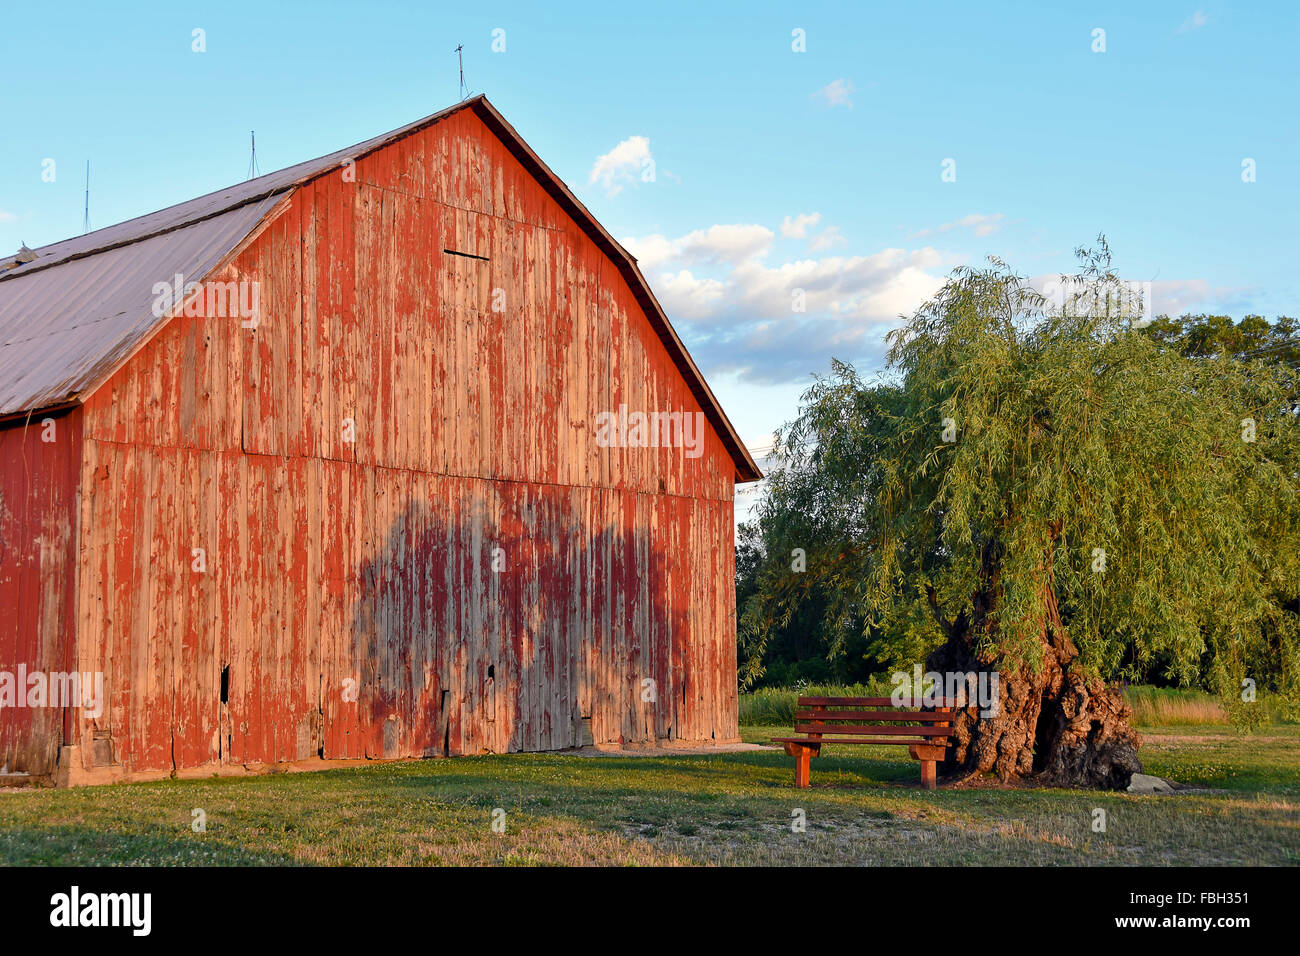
446, 725
225, 684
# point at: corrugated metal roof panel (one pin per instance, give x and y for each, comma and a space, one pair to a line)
63, 327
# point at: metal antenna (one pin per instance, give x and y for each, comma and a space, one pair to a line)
85, 222
252, 160
460, 58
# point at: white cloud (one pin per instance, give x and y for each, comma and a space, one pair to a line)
1177, 297
837, 93
873, 288
828, 239
1194, 22
1173, 297
7, 216
797, 228
737, 312
623, 164
712, 246
687, 297
738, 284
981, 225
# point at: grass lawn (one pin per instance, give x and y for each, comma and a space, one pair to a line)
733, 808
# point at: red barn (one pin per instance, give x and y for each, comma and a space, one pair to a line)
388, 454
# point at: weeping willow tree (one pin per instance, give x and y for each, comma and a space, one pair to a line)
1035, 490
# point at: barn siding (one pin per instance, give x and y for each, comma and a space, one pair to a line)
38, 513
331, 562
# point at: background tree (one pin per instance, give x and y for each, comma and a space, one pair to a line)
1273, 660
1042, 492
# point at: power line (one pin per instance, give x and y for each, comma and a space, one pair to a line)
1255, 353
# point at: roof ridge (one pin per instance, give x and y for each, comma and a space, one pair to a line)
37, 265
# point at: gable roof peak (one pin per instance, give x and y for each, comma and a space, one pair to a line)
64, 331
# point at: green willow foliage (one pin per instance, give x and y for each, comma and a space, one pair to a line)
1090, 462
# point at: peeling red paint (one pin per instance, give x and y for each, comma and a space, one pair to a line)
39, 470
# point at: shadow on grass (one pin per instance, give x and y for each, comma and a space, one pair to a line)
743, 771
733, 807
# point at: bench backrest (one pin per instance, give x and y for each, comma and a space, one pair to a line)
872, 716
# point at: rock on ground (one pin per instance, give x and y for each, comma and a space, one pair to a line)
1145, 783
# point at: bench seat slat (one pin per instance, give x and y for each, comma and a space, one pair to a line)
859, 740
801, 728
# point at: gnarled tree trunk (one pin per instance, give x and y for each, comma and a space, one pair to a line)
1054, 725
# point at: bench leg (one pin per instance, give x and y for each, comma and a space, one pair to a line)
929, 756
802, 767
802, 754
927, 774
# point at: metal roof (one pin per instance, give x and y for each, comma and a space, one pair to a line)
82, 306
64, 328
73, 314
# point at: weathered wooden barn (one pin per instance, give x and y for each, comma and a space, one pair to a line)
369, 516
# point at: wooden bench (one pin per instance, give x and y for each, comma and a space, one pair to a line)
868, 720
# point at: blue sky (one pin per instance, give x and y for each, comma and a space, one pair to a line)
772, 169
